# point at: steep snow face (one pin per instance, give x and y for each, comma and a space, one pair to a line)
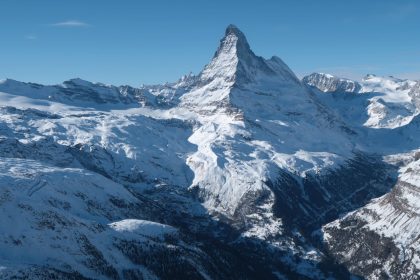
393, 220
234, 64
330, 83
378, 102
248, 108
225, 61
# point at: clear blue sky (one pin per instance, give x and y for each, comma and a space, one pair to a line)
134, 42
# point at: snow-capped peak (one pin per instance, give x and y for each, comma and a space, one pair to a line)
234, 62
225, 62
234, 43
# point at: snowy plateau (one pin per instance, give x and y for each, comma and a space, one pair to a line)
243, 171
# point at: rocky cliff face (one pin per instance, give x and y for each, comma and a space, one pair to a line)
329, 83
385, 232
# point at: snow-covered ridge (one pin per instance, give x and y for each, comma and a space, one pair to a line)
74, 92
330, 83
394, 217
246, 103
394, 89
99, 96
391, 102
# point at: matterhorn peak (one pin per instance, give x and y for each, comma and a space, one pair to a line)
234, 44
233, 29
234, 62
235, 36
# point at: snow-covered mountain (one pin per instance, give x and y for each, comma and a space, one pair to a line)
385, 232
242, 171
331, 84
392, 102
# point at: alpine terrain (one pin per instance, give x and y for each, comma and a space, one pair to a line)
243, 171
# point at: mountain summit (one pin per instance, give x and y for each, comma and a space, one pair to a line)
240, 40
233, 29
236, 78
235, 62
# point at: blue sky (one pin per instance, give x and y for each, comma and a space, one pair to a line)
134, 42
